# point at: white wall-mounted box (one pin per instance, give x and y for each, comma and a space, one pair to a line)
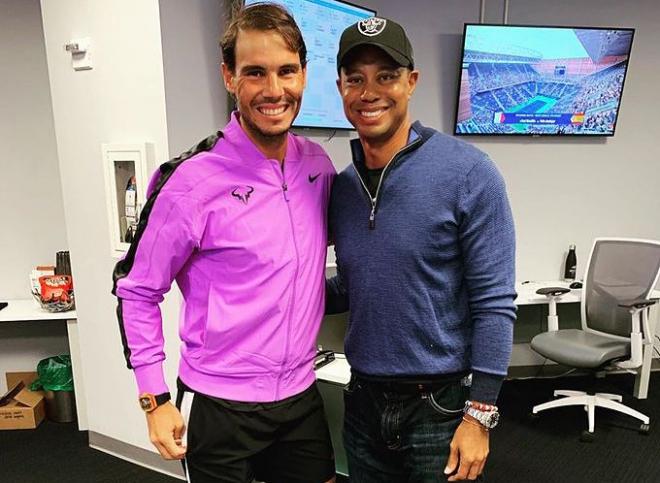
125, 190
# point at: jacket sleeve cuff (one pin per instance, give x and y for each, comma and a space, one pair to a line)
485, 387
150, 378
336, 300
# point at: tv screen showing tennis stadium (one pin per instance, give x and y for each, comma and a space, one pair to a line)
524, 80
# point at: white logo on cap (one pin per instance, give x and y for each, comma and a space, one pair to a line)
371, 26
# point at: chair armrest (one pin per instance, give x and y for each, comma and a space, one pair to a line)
640, 307
638, 303
641, 331
553, 291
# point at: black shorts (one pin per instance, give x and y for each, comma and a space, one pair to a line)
282, 442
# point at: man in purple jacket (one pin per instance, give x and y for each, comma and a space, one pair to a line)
239, 222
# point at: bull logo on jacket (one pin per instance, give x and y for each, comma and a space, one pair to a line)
242, 193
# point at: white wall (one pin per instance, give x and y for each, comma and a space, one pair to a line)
571, 191
122, 100
30, 193
195, 97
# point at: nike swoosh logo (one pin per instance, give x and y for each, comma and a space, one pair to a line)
311, 178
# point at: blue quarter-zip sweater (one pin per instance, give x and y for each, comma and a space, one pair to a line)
427, 264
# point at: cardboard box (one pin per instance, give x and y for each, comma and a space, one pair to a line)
21, 408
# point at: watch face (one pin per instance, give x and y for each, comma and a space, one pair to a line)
487, 419
145, 403
493, 419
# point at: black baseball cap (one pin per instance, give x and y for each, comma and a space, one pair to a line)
381, 32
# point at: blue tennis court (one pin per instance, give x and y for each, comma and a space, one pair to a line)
536, 104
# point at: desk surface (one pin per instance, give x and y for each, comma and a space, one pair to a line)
338, 371
527, 292
28, 309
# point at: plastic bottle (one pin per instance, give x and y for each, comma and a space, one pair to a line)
571, 263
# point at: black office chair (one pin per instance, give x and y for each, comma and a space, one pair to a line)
620, 277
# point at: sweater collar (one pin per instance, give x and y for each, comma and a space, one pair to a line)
417, 132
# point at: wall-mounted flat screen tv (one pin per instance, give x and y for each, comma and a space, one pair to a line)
321, 23
532, 80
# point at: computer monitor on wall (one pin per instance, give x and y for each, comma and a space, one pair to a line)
321, 23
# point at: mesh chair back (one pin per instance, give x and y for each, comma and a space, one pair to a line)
619, 270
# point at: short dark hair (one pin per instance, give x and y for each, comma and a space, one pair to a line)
262, 16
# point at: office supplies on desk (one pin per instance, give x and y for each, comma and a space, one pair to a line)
323, 357
575, 285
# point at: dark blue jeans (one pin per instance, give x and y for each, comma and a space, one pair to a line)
395, 437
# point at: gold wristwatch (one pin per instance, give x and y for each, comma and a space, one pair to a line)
149, 402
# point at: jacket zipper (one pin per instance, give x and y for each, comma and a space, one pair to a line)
285, 189
374, 200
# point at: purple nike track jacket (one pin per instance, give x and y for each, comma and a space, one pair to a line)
245, 241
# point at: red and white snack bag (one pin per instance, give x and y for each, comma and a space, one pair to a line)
56, 292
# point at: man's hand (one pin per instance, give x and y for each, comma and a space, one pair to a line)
165, 429
469, 447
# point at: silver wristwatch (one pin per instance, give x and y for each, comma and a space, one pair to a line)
488, 419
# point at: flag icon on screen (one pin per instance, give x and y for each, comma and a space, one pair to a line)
577, 118
498, 118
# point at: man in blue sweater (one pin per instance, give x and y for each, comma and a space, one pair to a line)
424, 240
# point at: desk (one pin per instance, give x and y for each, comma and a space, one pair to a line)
28, 311
332, 378
336, 372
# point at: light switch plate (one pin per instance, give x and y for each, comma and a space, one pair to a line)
81, 56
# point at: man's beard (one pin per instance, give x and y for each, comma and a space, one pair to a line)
265, 138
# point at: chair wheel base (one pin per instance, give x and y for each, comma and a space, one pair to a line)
644, 429
587, 437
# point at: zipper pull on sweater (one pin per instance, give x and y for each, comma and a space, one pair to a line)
372, 216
